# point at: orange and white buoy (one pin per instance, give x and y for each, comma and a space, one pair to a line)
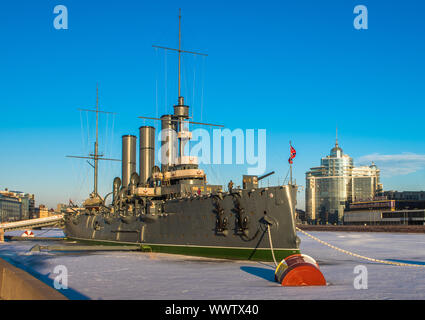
28, 233
299, 270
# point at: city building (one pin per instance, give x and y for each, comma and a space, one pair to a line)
404, 195
336, 181
389, 207
41, 212
15, 205
28, 204
10, 208
60, 208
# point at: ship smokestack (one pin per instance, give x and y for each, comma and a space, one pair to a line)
147, 153
168, 136
128, 158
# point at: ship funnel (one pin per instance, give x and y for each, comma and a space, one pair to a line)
146, 154
128, 158
169, 142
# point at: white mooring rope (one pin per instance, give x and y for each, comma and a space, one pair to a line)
355, 254
271, 246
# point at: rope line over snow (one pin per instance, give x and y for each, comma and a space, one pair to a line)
358, 255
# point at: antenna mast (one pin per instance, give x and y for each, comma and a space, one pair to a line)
336, 137
179, 50
95, 156
96, 144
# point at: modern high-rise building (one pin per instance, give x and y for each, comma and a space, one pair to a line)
336, 181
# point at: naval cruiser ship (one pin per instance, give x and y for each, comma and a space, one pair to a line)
172, 209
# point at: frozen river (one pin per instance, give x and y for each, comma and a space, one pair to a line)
137, 275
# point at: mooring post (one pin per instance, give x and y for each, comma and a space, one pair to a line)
1, 235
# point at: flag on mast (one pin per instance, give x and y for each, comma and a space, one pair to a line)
293, 153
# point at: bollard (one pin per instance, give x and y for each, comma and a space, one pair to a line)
299, 270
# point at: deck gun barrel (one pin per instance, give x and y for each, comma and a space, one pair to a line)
265, 176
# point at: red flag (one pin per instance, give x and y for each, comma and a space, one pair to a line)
293, 154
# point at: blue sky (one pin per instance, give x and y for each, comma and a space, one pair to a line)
295, 68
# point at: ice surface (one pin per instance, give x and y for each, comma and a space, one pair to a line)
137, 275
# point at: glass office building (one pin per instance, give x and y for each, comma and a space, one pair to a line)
336, 181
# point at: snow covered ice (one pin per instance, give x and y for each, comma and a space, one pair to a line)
141, 275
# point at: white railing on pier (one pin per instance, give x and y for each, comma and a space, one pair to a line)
31, 223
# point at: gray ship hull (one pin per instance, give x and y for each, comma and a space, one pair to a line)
231, 225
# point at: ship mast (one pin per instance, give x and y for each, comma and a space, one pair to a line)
181, 112
96, 144
95, 156
180, 98
290, 170
180, 51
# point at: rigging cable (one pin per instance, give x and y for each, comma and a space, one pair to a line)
156, 85
106, 168
165, 76
193, 87
88, 145
284, 180
82, 131
78, 172
202, 86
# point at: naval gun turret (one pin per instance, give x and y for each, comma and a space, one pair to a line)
251, 181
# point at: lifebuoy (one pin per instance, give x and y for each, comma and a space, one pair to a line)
28, 233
